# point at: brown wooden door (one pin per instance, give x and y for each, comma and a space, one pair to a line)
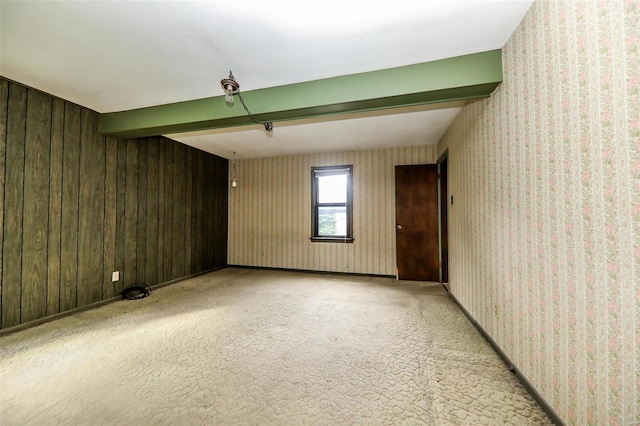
417, 245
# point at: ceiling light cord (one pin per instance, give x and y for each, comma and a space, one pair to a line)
232, 87
268, 125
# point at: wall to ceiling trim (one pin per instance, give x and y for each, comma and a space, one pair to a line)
77, 205
270, 211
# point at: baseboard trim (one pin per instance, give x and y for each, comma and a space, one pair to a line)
94, 305
512, 367
197, 274
311, 271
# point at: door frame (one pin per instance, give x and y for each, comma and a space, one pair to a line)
443, 216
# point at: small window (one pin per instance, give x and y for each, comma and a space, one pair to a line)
331, 200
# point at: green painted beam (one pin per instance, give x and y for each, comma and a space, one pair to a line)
463, 77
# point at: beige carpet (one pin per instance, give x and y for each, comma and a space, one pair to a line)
253, 347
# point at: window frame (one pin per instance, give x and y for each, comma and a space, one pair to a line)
315, 205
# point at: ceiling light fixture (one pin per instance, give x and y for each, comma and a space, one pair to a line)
232, 87
234, 172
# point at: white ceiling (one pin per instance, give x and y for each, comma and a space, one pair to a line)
119, 55
378, 129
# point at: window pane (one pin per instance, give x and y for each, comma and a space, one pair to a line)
331, 204
332, 221
332, 189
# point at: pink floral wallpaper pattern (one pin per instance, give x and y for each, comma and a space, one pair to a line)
545, 229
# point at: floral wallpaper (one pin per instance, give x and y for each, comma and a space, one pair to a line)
270, 211
545, 227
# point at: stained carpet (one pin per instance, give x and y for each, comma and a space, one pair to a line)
253, 347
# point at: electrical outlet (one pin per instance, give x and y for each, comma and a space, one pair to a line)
115, 276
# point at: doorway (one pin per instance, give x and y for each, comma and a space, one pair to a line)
417, 239
443, 197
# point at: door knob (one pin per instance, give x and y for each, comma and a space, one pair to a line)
399, 227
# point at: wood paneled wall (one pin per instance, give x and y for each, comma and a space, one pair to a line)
76, 206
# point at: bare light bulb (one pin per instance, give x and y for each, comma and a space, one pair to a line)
234, 183
229, 96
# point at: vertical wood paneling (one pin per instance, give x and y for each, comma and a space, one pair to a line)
161, 207
4, 100
55, 206
221, 185
179, 197
168, 211
188, 211
76, 206
70, 190
205, 219
121, 191
141, 245
208, 236
152, 259
196, 258
213, 200
110, 215
91, 211
13, 206
131, 214
215, 218
36, 207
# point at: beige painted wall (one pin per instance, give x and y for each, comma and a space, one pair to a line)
270, 211
545, 227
